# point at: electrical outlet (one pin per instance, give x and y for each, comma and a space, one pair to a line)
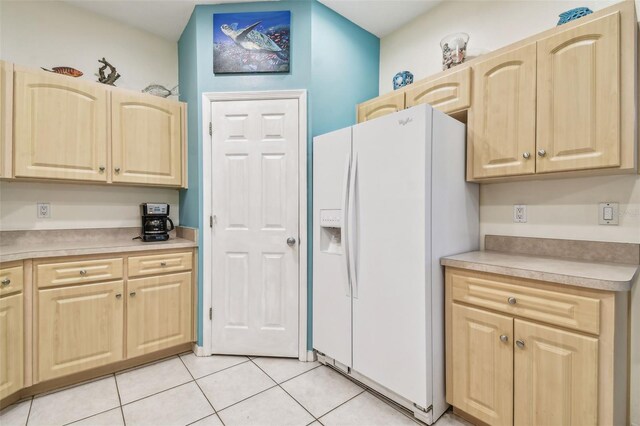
608, 213
44, 211
519, 213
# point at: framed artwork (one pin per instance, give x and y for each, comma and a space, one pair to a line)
253, 42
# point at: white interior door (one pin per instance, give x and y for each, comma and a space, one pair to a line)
255, 211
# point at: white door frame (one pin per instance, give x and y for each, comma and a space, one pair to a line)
207, 244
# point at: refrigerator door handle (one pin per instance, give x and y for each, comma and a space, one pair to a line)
352, 228
345, 226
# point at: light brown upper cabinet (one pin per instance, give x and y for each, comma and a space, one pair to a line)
448, 94
579, 97
146, 139
380, 106
502, 123
6, 119
60, 127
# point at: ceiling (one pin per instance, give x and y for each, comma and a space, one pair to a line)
167, 18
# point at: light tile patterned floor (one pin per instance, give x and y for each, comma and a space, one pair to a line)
215, 391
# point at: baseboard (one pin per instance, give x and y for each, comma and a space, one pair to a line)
199, 350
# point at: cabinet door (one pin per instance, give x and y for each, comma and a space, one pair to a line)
6, 119
79, 328
60, 127
556, 376
11, 345
448, 94
146, 139
579, 97
482, 364
502, 129
158, 313
383, 105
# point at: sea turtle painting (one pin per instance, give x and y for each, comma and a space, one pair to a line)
251, 42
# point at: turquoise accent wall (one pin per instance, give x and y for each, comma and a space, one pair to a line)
336, 61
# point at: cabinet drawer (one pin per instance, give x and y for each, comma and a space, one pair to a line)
54, 274
159, 263
10, 280
553, 307
448, 94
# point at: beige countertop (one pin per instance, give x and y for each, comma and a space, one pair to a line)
595, 275
19, 245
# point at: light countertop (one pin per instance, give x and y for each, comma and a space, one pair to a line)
595, 275
19, 245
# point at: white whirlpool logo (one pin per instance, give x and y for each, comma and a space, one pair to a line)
405, 121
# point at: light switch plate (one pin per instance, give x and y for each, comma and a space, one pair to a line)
44, 210
608, 213
519, 213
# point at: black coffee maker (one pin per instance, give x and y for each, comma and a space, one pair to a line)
154, 221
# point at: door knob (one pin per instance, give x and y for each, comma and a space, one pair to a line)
117, 170
6, 281
163, 263
291, 241
542, 152
504, 338
520, 343
132, 294
118, 296
512, 300
526, 155
101, 169
83, 272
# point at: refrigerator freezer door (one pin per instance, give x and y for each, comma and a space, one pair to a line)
331, 287
392, 198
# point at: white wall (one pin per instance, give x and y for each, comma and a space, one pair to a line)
561, 208
48, 34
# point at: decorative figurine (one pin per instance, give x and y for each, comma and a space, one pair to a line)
454, 49
573, 14
159, 90
113, 73
71, 72
403, 78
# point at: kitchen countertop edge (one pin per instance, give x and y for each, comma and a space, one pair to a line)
484, 265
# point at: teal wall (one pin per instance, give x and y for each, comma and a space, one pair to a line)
333, 59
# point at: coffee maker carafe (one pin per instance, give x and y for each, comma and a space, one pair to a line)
154, 221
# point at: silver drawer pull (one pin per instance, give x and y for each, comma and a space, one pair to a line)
6, 281
520, 343
512, 300
163, 263
83, 272
132, 294
118, 296
504, 338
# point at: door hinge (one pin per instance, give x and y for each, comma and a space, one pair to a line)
210, 129
210, 221
210, 313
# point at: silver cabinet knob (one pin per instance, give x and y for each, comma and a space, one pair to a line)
132, 294
291, 241
101, 169
117, 170
512, 300
526, 155
118, 296
504, 338
520, 343
163, 263
5, 281
542, 152
83, 272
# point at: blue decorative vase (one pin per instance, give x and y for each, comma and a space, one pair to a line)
403, 78
572, 14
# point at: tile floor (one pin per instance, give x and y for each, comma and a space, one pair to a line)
214, 391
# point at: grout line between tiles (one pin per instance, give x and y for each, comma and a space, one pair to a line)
340, 405
88, 417
26, 422
285, 391
199, 388
124, 422
156, 393
215, 372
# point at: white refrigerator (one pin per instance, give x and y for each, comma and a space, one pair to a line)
389, 200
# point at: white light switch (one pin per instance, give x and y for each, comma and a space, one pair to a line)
608, 214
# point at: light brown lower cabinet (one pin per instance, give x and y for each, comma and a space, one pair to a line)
11, 344
510, 362
79, 328
158, 313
